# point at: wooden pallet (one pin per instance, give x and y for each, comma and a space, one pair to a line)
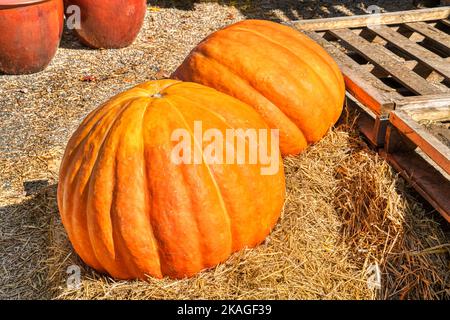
397, 73
387, 58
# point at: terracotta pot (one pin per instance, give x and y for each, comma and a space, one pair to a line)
109, 23
30, 34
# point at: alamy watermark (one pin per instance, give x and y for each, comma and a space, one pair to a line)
236, 146
374, 277
73, 277
375, 19
73, 17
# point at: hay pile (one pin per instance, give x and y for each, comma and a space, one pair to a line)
345, 210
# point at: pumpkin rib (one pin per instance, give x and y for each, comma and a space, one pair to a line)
237, 242
315, 48
80, 148
147, 186
197, 105
155, 215
116, 257
71, 153
121, 253
290, 113
312, 46
248, 186
198, 247
180, 249
328, 61
92, 234
279, 28
124, 220
119, 238
231, 70
233, 237
86, 133
295, 55
252, 87
201, 247
238, 171
207, 166
83, 129
88, 124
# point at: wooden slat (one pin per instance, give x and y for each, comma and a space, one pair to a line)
438, 38
432, 100
372, 126
424, 177
362, 84
398, 70
413, 49
429, 114
429, 144
435, 108
364, 20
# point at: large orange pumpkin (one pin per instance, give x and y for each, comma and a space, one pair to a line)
288, 78
130, 211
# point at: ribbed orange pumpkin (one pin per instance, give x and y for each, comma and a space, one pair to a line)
130, 211
288, 78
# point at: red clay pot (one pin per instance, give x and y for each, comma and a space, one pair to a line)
109, 23
30, 34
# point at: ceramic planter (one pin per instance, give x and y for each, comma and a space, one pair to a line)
30, 34
109, 23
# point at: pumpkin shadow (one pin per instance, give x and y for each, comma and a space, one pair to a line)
25, 241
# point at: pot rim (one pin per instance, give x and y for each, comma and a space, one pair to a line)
4, 4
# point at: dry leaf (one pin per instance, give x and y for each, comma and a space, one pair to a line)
88, 78
162, 74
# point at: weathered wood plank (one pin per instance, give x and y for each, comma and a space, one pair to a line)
362, 84
423, 176
413, 49
372, 125
429, 144
367, 19
395, 68
426, 101
435, 107
428, 113
439, 39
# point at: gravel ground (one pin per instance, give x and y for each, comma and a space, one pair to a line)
39, 112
